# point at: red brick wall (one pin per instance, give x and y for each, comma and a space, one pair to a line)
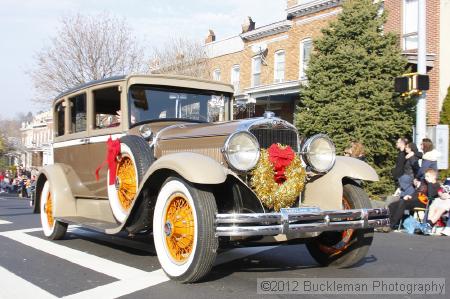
394, 23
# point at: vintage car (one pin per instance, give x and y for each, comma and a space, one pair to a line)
161, 155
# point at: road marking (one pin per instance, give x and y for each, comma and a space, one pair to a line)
123, 287
4, 222
83, 259
15, 287
130, 279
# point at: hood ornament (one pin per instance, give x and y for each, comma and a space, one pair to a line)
269, 114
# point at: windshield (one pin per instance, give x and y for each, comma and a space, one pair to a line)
149, 103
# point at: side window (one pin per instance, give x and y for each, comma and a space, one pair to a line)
78, 113
216, 75
410, 24
305, 55
256, 71
279, 63
107, 112
60, 110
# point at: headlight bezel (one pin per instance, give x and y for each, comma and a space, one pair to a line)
226, 147
306, 149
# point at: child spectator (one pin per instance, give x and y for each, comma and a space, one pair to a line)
438, 207
426, 189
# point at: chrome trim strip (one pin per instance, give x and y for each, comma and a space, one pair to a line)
235, 231
87, 140
286, 222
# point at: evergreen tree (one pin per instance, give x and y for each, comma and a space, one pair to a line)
350, 94
445, 120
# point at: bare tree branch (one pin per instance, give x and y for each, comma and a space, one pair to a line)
85, 48
180, 56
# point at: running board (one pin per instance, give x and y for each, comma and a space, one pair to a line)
93, 224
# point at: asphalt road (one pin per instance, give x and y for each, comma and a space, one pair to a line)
91, 265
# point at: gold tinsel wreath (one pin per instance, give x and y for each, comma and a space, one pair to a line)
269, 192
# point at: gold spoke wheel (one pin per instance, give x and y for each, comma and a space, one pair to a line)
179, 228
346, 236
126, 181
49, 210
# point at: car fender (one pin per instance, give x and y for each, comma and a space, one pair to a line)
193, 167
63, 184
326, 191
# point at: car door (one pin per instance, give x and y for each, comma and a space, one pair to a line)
71, 137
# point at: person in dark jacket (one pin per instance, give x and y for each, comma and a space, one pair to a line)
410, 169
426, 189
398, 170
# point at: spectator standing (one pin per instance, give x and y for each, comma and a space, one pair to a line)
399, 168
410, 169
429, 158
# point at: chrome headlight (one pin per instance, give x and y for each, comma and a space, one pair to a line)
241, 151
319, 153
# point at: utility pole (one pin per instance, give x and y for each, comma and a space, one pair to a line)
421, 111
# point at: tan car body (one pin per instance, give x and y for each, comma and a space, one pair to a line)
192, 151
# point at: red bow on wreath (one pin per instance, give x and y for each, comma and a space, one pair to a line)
280, 157
112, 151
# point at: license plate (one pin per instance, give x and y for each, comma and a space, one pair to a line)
300, 210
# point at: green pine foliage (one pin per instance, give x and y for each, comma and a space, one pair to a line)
445, 112
350, 91
445, 120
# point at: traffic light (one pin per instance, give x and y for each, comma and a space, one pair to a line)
410, 84
401, 84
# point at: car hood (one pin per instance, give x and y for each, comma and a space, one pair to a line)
194, 130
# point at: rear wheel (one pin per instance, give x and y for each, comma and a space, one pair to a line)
53, 229
183, 230
344, 248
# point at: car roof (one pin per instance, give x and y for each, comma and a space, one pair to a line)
127, 77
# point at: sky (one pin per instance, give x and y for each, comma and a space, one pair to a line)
28, 26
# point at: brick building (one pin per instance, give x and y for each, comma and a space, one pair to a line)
266, 64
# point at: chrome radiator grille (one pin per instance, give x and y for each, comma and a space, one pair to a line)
266, 137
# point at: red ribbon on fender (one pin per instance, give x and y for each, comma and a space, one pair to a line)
112, 151
280, 159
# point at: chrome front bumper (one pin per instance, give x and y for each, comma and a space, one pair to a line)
299, 220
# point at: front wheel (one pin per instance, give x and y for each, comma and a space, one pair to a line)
344, 248
53, 229
183, 230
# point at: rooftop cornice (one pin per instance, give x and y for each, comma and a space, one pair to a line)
311, 7
267, 30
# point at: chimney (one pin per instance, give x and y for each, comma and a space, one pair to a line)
248, 25
290, 3
211, 37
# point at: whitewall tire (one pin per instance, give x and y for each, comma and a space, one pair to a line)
183, 230
52, 228
135, 158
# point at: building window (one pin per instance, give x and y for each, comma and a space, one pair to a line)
256, 71
216, 75
305, 55
235, 72
279, 62
410, 24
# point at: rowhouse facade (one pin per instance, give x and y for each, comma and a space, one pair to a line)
267, 64
37, 137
